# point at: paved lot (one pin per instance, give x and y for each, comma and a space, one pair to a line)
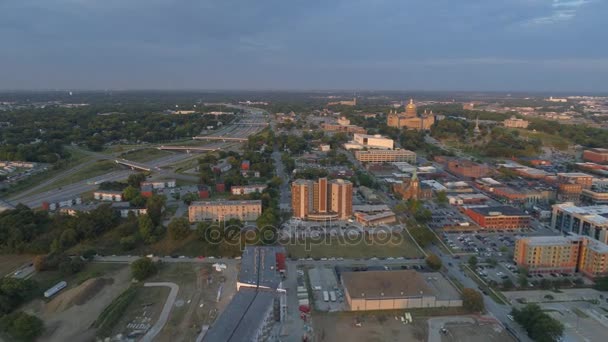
323, 279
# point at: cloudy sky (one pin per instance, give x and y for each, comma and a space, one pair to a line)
512, 45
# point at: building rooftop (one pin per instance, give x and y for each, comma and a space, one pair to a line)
218, 203
596, 214
242, 317
574, 174
550, 240
385, 284
259, 267
497, 210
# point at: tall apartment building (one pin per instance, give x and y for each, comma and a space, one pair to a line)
224, 210
322, 200
562, 254
596, 155
385, 156
591, 221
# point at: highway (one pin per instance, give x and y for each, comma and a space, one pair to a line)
33, 198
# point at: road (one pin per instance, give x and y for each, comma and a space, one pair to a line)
164, 315
498, 311
31, 198
285, 193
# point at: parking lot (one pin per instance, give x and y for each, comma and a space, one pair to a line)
326, 293
304, 229
483, 244
447, 216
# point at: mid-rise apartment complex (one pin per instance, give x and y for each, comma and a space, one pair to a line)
224, 210
562, 254
591, 221
322, 200
385, 156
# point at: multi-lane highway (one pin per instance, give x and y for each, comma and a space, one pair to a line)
254, 123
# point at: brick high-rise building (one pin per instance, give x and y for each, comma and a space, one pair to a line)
342, 198
322, 200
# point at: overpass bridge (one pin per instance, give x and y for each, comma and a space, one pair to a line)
251, 123
133, 165
188, 149
216, 138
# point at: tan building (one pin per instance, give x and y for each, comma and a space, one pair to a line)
514, 122
322, 200
410, 119
396, 290
344, 103
376, 219
547, 254
593, 259
341, 198
224, 210
341, 128
385, 156
585, 180
361, 141
562, 254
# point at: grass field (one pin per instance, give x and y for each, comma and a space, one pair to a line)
144, 155
402, 246
98, 168
555, 141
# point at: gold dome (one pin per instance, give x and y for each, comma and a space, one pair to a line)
410, 109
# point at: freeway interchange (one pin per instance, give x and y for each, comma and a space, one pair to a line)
225, 138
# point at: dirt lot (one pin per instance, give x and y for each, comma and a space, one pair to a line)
475, 332
195, 304
374, 327
9, 263
69, 315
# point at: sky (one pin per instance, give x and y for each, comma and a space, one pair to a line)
460, 45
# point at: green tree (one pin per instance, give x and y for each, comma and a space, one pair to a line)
538, 324
145, 227
143, 268
135, 180
442, 197
601, 284
433, 262
473, 261
21, 326
522, 277
130, 193
507, 284
472, 300
422, 235
155, 205
179, 228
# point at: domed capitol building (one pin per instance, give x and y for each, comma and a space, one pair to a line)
410, 118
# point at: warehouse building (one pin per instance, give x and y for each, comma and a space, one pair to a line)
401, 289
